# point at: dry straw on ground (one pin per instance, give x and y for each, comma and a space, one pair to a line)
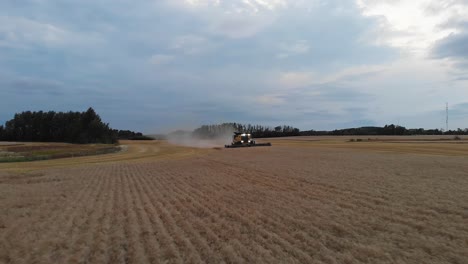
314, 203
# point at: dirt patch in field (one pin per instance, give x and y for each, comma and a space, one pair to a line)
280, 204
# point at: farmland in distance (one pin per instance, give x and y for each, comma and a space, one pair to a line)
303, 200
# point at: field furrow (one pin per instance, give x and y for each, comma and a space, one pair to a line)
284, 204
169, 217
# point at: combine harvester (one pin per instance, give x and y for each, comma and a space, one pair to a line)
241, 140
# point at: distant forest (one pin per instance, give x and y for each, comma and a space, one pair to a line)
130, 135
385, 130
258, 131
72, 127
87, 127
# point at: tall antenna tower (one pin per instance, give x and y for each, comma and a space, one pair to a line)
446, 117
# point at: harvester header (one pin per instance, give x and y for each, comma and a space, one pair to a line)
240, 139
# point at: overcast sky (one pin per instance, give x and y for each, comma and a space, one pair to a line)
155, 66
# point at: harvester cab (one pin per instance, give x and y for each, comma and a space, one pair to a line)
244, 140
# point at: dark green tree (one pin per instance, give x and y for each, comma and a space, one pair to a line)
73, 127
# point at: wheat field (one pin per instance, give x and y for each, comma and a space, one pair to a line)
326, 201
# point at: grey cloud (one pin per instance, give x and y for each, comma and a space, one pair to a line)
36, 86
330, 92
435, 7
459, 111
240, 26
462, 78
219, 63
453, 46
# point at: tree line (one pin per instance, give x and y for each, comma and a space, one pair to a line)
257, 131
385, 130
131, 135
72, 127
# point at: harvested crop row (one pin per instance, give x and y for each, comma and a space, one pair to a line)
282, 204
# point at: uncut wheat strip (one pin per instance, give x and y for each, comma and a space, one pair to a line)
174, 204
163, 216
47, 227
81, 249
243, 219
156, 250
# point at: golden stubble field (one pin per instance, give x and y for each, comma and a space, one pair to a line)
304, 200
